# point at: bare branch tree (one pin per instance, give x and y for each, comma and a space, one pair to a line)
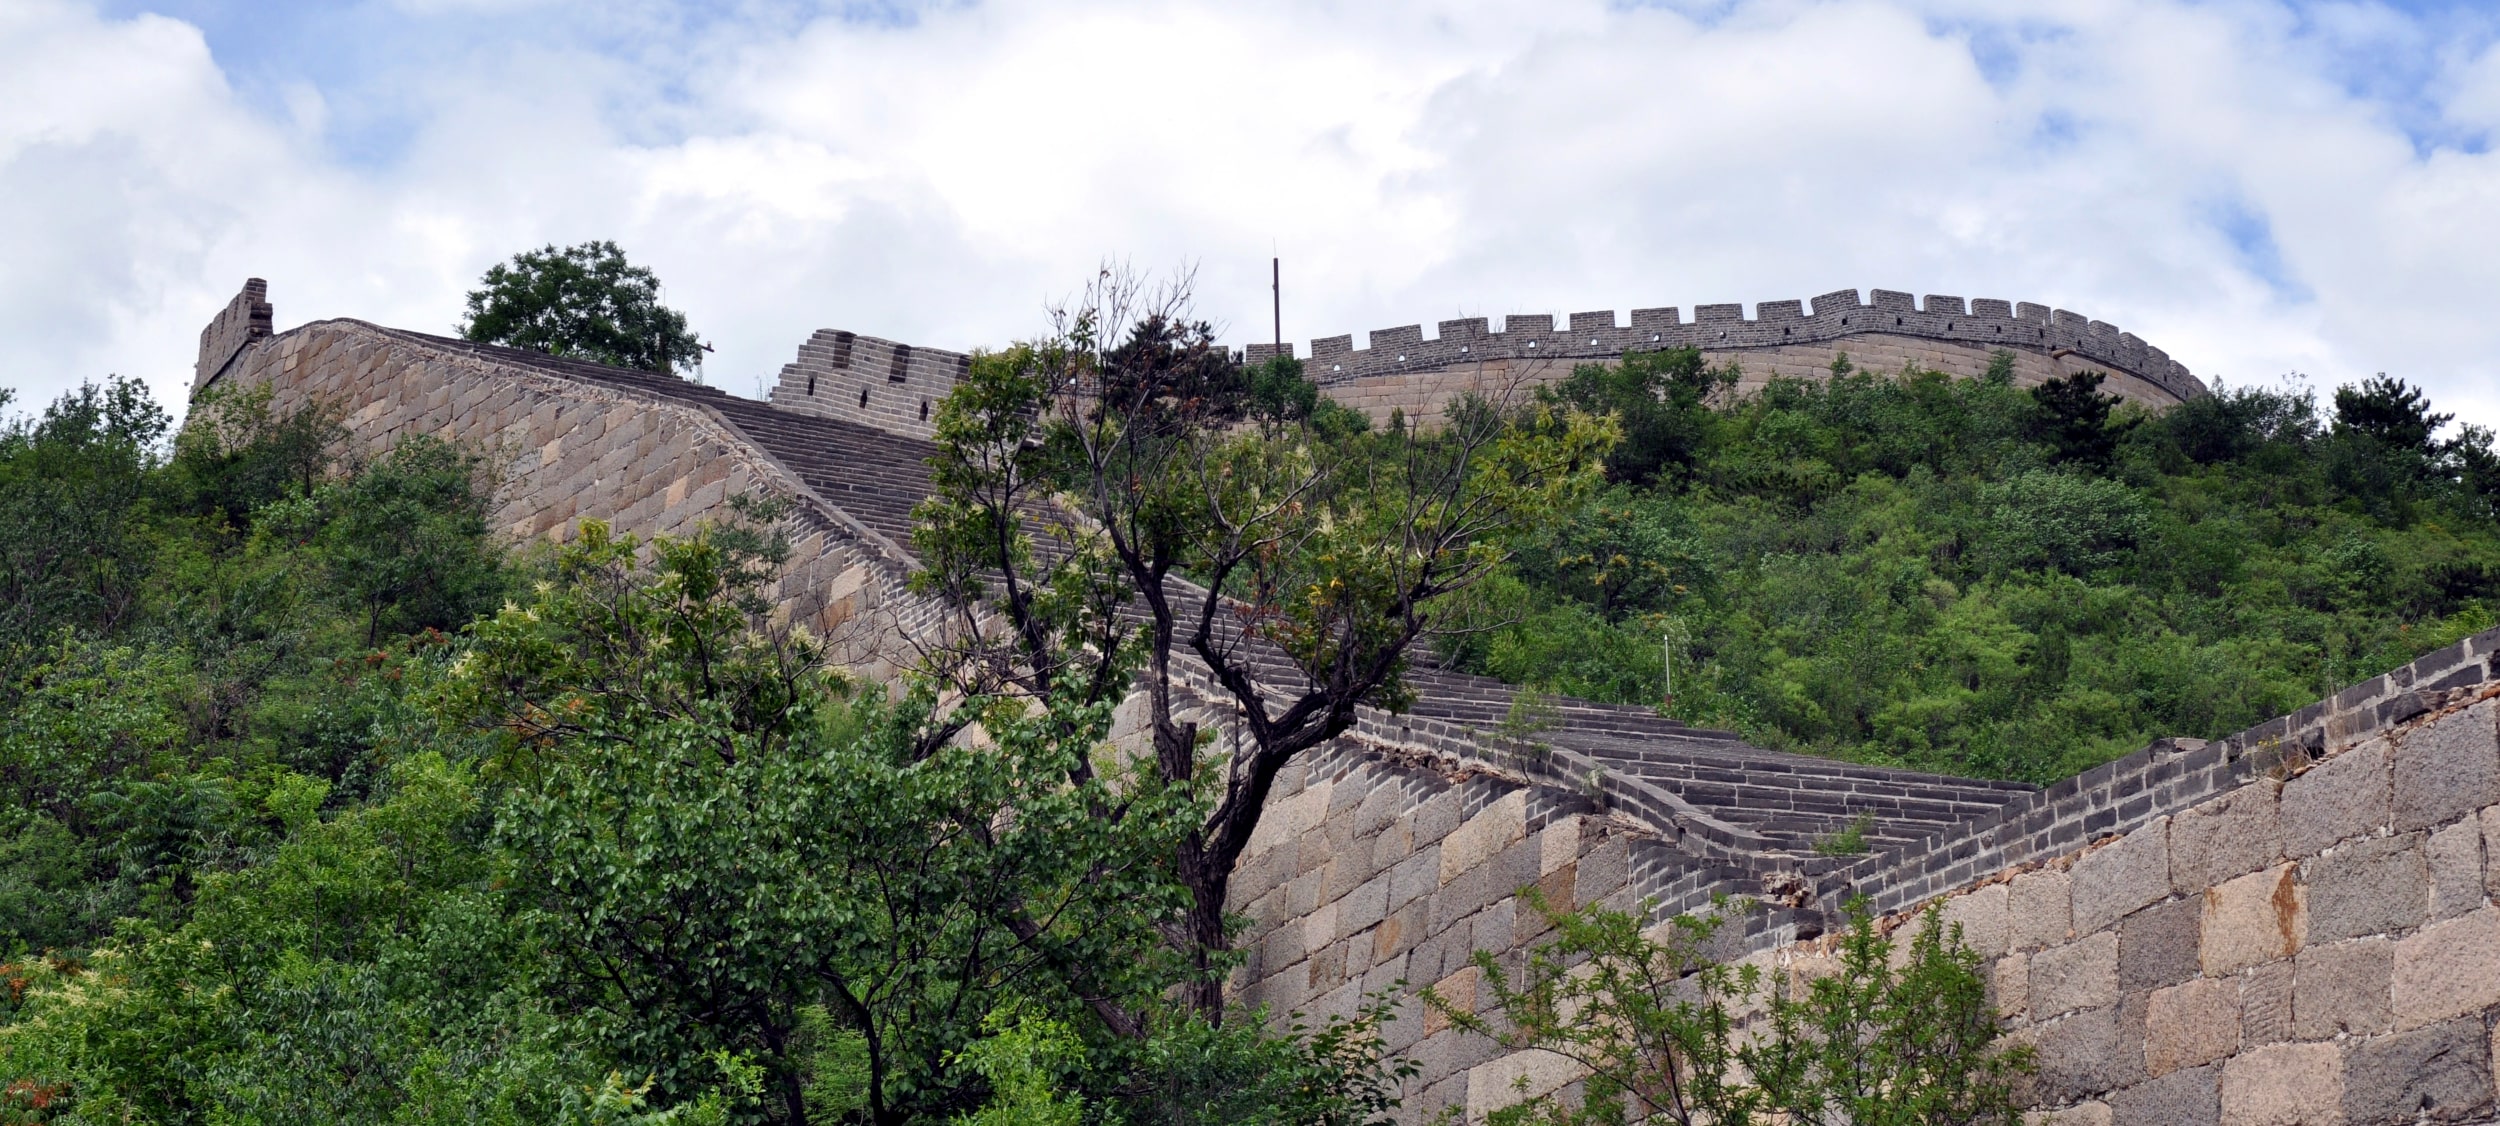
1112, 509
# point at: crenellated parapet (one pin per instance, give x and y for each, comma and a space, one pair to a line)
1980, 326
875, 382
245, 319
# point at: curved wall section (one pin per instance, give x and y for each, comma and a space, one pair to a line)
1402, 369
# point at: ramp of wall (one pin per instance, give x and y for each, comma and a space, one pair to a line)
570, 442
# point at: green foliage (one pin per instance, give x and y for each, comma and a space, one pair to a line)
2073, 416
1195, 1073
1971, 577
74, 487
1667, 1034
1661, 400
720, 856
585, 302
1850, 841
1127, 463
287, 834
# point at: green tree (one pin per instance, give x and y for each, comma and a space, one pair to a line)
1881, 1037
74, 492
1299, 567
584, 302
2072, 415
403, 541
722, 856
1660, 399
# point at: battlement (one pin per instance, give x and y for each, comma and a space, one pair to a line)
865, 379
1984, 323
246, 318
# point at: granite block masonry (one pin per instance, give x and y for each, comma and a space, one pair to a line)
2292, 924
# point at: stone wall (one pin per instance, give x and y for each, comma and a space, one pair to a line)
2293, 925
2317, 945
893, 387
1423, 396
569, 442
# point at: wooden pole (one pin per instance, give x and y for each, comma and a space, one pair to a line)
1276, 288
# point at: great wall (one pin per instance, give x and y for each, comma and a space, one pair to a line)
894, 386
2295, 924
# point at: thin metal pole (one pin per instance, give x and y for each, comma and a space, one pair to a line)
1276, 287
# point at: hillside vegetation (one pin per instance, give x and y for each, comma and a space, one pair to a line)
1976, 578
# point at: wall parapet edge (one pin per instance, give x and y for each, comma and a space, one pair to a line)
2164, 778
1983, 322
247, 319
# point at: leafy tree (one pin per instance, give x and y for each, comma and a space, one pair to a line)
2073, 416
404, 541
1883, 1037
584, 302
722, 858
1660, 399
237, 453
73, 490
2389, 412
1905, 568
1298, 567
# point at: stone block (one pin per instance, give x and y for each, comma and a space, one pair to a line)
1603, 870
1463, 896
1558, 845
1496, 927
2192, 1097
2252, 920
2343, 987
1478, 838
1515, 1077
1365, 905
2343, 797
2369, 886
2009, 986
2190, 1025
2232, 835
2081, 1056
1319, 928
1435, 818
2266, 1004
2115, 879
2039, 909
2079, 975
2441, 1073
2284, 1085
1458, 992
2490, 819
2157, 946
2080, 1114
1982, 916
2455, 858
1399, 932
1414, 877
2450, 969
2446, 768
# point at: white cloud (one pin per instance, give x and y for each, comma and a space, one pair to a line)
2208, 175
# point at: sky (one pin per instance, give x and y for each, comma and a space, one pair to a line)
2265, 189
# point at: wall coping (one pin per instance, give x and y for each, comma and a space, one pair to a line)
1983, 322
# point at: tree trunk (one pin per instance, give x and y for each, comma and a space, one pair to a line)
1208, 880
